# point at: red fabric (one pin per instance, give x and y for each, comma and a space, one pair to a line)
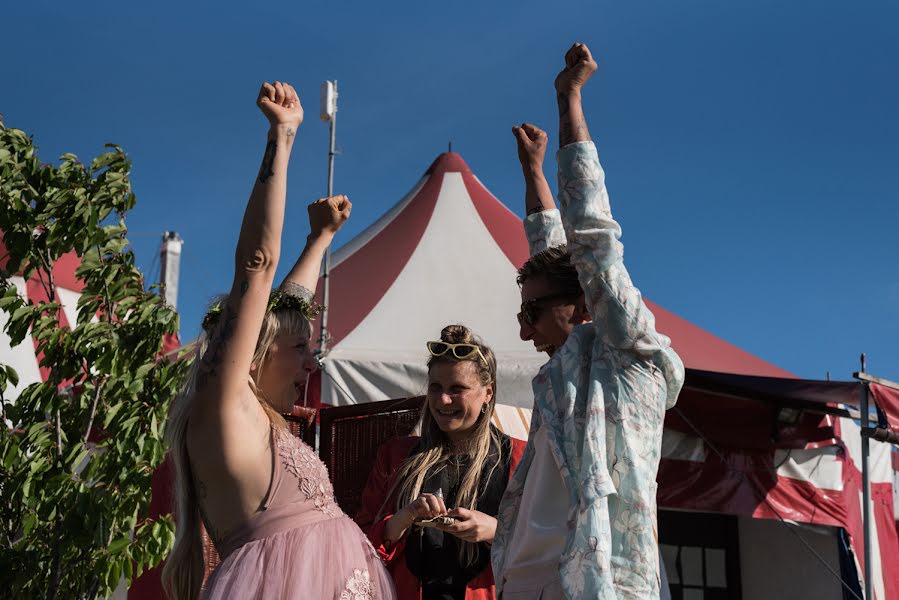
888, 400
700, 349
149, 585
358, 283
739, 481
63, 269
37, 294
504, 225
380, 483
882, 498
743, 424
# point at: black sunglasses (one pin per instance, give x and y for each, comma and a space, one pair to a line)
533, 308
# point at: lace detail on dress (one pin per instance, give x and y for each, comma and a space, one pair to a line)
359, 586
312, 476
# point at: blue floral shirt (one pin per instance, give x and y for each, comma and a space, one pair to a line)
602, 397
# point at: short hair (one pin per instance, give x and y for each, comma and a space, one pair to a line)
554, 265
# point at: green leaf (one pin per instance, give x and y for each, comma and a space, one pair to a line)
28, 523
111, 413
116, 546
80, 210
76, 462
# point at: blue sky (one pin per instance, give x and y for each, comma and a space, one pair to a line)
751, 147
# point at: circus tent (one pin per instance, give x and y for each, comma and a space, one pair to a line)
22, 358
447, 253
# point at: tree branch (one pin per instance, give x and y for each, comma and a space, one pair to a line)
90, 423
58, 434
51, 291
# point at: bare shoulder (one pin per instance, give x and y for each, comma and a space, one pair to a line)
228, 440
230, 456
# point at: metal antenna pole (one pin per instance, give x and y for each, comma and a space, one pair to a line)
866, 484
326, 260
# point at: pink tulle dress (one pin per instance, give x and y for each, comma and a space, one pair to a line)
301, 545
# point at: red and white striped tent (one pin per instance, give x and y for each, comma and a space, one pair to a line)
447, 253
68, 288
24, 360
22, 357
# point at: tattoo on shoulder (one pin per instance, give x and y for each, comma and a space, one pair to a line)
268, 160
202, 494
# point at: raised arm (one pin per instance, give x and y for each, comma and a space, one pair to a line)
619, 313
542, 226
579, 67
225, 366
531, 152
326, 217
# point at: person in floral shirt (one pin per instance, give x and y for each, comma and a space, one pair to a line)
578, 518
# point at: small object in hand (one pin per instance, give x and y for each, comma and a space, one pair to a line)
436, 521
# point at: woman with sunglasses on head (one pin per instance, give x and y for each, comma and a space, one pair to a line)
430, 503
263, 496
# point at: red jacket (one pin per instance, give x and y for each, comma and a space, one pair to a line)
383, 475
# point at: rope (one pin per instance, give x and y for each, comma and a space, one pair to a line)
321, 367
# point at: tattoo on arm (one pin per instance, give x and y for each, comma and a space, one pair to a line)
202, 494
215, 351
265, 171
571, 128
295, 289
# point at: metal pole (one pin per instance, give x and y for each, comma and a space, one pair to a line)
326, 260
866, 485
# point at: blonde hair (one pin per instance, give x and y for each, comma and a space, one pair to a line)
435, 448
183, 573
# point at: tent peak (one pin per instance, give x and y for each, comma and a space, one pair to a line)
448, 162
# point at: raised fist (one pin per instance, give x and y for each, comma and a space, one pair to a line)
531, 144
328, 215
280, 104
579, 66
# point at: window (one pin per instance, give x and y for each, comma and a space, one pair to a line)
701, 554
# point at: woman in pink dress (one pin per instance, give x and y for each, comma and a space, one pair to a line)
262, 494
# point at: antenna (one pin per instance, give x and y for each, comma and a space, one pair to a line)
328, 113
170, 261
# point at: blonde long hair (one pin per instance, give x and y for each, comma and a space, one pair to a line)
436, 451
183, 573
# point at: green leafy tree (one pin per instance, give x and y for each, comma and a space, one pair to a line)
77, 452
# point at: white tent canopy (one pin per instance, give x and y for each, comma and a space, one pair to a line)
456, 272
448, 253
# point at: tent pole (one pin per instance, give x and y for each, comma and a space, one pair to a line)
866, 484
326, 260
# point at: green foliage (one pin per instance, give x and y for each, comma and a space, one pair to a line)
73, 512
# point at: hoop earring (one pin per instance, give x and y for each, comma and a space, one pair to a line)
484, 408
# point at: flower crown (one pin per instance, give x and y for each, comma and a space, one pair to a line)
278, 300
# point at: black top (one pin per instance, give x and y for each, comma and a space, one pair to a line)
432, 555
